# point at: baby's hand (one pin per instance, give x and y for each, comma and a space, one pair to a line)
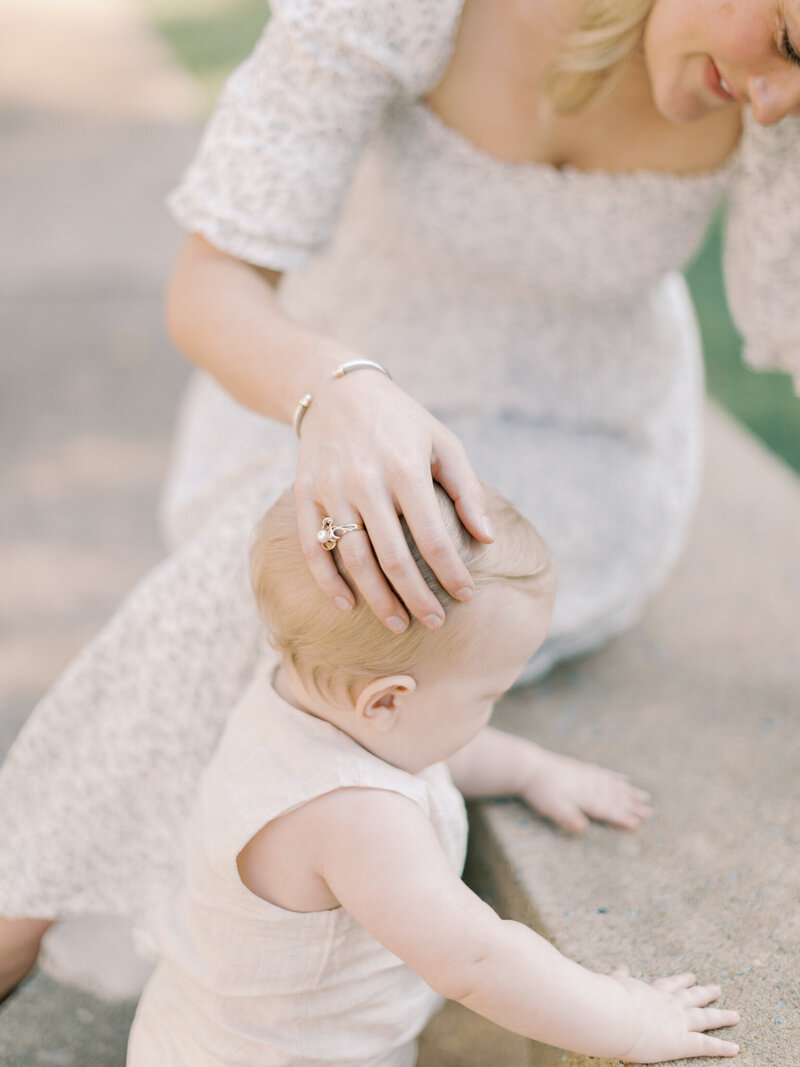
674, 1017
567, 790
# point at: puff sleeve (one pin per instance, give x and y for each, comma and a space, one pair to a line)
762, 246
279, 151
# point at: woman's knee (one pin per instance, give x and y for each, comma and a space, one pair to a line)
19, 947
19, 933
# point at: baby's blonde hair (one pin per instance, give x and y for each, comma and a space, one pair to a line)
594, 57
333, 650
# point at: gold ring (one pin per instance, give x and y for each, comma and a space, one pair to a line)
331, 533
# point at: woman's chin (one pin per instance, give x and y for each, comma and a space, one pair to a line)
680, 106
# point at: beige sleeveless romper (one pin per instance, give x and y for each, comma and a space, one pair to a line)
241, 981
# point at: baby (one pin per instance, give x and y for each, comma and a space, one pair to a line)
323, 915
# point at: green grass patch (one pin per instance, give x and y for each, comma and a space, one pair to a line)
763, 400
209, 37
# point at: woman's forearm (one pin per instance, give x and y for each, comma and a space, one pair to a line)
226, 317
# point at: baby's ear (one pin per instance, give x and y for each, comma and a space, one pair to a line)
380, 701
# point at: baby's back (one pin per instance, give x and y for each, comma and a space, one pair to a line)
243, 981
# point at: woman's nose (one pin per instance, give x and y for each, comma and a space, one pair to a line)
772, 98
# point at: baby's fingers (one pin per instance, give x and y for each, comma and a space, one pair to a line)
675, 982
698, 996
700, 1019
566, 815
627, 817
706, 1045
618, 803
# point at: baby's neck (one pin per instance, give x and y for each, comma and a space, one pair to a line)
296, 698
281, 685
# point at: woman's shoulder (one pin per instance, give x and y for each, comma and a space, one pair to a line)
413, 39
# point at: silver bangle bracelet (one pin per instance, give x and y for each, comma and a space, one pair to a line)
360, 364
345, 368
302, 408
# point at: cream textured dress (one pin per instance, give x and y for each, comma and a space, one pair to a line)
538, 312
242, 981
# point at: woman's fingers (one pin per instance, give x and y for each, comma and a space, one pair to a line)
412, 493
319, 561
360, 561
453, 471
383, 534
397, 564
422, 513
384, 539
358, 557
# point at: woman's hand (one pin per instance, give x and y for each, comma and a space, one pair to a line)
571, 792
674, 1016
368, 454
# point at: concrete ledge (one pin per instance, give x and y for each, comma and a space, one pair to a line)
699, 704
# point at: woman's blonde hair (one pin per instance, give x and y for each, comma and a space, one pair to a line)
595, 56
333, 650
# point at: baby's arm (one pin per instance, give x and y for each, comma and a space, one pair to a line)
381, 859
566, 790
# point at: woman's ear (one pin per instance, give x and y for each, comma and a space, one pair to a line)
380, 702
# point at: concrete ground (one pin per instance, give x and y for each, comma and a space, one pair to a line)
96, 124
698, 703
89, 383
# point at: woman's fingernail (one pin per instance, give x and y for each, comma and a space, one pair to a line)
396, 624
433, 622
486, 527
465, 593
342, 603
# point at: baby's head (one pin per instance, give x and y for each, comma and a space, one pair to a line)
348, 668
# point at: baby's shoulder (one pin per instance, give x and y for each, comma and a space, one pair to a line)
283, 863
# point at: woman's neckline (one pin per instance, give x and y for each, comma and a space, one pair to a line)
567, 173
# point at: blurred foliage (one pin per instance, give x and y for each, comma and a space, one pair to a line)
763, 400
209, 37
